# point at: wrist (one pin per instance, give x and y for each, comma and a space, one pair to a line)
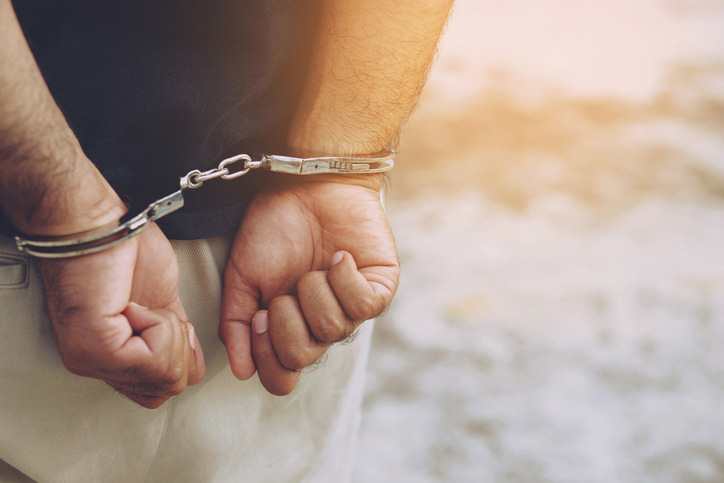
373, 181
304, 146
305, 142
96, 207
80, 200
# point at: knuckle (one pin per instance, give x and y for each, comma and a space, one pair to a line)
150, 402
147, 400
315, 293
330, 330
279, 302
279, 314
71, 366
174, 374
295, 358
313, 285
283, 386
285, 321
149, 393
156, 370
309, 279
282, 320
283, 390
362, 309
175, 389
161, 373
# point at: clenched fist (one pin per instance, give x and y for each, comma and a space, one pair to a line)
116, 316
312, 259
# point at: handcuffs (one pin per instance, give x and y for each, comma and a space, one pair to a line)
75, 246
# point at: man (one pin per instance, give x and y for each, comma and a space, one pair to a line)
311, 259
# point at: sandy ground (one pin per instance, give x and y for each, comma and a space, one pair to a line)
559, 212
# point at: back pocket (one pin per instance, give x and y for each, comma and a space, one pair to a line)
13, 271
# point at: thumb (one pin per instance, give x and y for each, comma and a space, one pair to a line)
163, 336
239, 304
159, 361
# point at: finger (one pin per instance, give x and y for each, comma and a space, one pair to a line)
197, 362
137, 394
200, 370
238, 305
160, 339
190, 352
362, 296
294, 345
156, 363
275, 378
155, 248
322, 311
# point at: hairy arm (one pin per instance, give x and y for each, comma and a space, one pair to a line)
314, 256
49, 187
370, 64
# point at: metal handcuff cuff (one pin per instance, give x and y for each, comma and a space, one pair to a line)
47, 247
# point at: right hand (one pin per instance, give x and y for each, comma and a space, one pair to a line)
102, 330
282, 259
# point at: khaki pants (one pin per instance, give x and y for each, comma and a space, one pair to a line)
55, 426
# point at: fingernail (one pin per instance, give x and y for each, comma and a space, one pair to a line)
192, 338
261, 322
139, 306
337, 257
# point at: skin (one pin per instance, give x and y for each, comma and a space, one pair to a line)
102, 328
370, 63
281, 262
312, 259
49, 187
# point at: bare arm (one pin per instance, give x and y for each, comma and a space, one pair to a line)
314, 256
49, 187
371, 61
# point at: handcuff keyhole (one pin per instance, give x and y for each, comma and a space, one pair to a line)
316, 166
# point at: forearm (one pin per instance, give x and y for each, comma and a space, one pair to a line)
47, 185
370, 62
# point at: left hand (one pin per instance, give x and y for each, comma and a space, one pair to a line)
147, 354
281, 260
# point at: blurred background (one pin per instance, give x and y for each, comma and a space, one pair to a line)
559, 210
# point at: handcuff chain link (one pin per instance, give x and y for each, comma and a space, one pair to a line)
195, 178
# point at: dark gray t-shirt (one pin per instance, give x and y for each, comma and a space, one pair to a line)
156, 88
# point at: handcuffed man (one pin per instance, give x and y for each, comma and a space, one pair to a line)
103, 107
